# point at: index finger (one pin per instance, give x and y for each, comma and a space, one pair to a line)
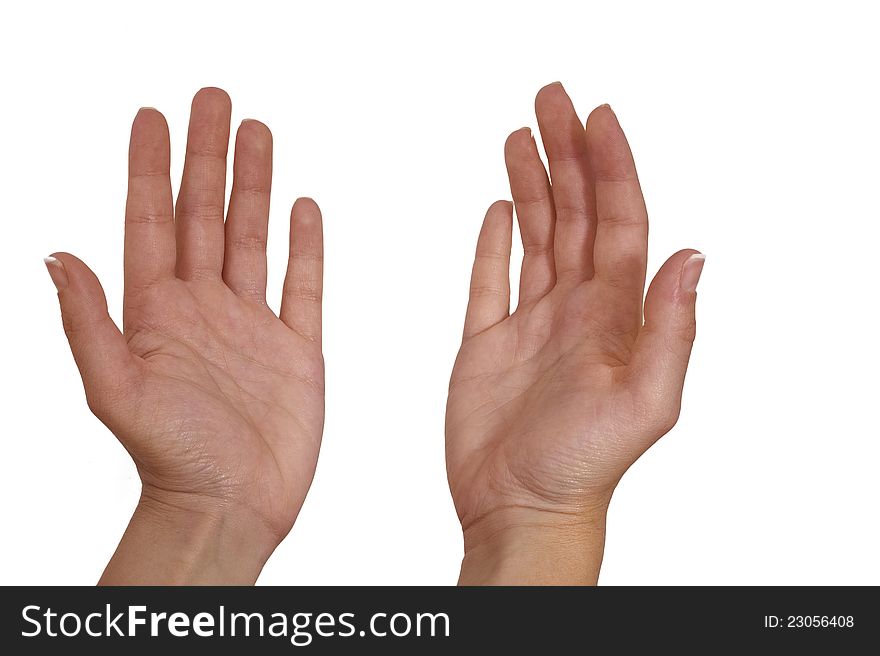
149, 210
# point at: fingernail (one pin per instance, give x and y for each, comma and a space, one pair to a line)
690, 273
56, 272
605, 105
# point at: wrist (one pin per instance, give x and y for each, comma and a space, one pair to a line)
534, 547
181, 539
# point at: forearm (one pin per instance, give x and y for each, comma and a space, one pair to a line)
169, 543
534, 548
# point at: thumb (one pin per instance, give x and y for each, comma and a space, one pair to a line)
101, 352
663, 348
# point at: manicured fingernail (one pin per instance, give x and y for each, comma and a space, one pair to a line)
605, 105
56, 272
690, 273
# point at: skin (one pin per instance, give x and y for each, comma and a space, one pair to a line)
549, 405
219, 401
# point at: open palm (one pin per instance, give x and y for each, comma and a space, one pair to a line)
219, 401
549, 405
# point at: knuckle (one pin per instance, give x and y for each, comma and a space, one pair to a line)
571, 212
249, 242
147, 217
686, 331
308, 293
480, 291
308, 257
631, 220
202, 209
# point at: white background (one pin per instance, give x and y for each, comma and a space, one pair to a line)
755, 130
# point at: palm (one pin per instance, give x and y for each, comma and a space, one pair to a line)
537, 393
238, 396
549, 405
218, 400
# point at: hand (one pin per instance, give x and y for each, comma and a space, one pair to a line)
550, 405
219, 401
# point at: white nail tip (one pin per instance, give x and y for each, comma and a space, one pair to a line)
52, 260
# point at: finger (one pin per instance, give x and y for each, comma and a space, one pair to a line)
304, 282
533, 201
149, 214
662, 351
621, 249
247, 225
101, 352
566, 148
489, 300
199, 214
